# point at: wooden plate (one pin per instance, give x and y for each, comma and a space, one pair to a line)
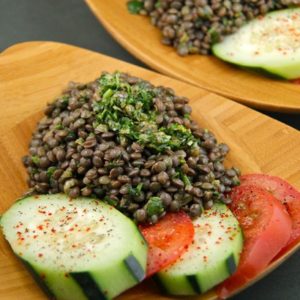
32, 74
140, 38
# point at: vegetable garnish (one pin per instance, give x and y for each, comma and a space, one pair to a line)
270, 44
130, 112
285, 193
76, 248
167, 240
212, 256
135, 6
267, 228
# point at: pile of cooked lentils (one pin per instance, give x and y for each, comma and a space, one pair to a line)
193, 26
131, 144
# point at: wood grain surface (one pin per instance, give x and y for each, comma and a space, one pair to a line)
34, 73
141, 39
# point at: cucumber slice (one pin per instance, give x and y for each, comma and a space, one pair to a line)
211, 258
271, 43
76, 249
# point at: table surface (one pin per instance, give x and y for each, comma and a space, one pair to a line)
70, 21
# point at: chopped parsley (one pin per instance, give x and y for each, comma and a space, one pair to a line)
135, 6
50, 171
154, 206
136, 191
129, 111
35, 159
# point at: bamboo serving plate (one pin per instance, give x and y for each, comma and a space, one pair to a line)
139, 37
34, 73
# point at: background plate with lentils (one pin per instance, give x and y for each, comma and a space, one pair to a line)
131, 144
193, 26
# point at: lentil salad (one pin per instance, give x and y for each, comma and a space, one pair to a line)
131, 144
192, 27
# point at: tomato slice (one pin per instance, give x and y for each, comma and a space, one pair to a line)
278, 187
286, 194
267, 228
297, 81
167, 240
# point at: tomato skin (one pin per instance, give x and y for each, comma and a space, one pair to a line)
167, 240
286, 194
278, 187
293, 208
265, 234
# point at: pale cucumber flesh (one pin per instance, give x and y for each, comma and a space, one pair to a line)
211, 258
271, 43
69, 243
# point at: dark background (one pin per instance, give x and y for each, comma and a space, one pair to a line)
70, 21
